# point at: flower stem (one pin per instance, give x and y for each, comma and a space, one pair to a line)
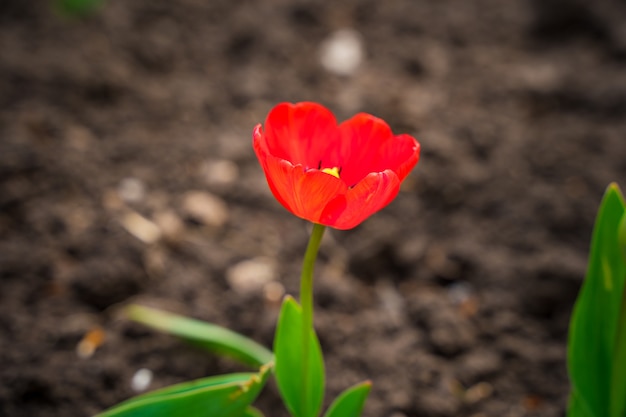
306, 300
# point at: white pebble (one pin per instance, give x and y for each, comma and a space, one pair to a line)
141, 380
205, 208
342, 52
219, 172
131, 190
140, 227
171, 226
252, 275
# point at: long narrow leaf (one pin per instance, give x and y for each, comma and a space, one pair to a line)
224, 396
252, 412
288, 368
205, 335
618, 379
593, 332
350, 403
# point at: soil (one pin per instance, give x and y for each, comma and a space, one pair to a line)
127, 176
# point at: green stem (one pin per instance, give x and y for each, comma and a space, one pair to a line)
306, 300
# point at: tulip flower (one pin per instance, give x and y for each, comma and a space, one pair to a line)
330, 174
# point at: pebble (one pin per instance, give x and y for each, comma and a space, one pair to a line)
131, 190
274, 292
219, 172
140, 227
172, 226
252, 275
478, 392
205, 208
342, 52
141, 380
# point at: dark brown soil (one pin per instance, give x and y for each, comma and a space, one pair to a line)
454, 300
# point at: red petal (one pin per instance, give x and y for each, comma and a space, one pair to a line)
400, 155
300, 137
368, 145
305, 194
370, 195
301, 133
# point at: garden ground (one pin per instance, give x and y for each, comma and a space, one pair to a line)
127, 175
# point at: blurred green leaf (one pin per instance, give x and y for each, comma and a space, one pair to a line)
596, 348
622, 236
77, 8
252, 412
350, 403
224, 396
205, 335
577, 406
288, 359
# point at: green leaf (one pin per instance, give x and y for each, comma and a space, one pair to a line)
78, 8
224, 396
288, 358
577, 407
252, 412
596, 361
350, 403
205, 335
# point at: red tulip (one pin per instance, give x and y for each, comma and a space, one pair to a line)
334, 175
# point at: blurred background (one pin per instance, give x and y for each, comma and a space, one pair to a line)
127, 175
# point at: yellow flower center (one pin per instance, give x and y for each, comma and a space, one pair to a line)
332, 171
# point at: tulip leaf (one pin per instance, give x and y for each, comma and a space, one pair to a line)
350, 402
224, 396
78, 8
204, 335
252, 412
597, 335
288, 359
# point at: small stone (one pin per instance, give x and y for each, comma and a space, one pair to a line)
252, 275
172, 226
205, 208
131, 190
342, 52
140, 227
274, 292
219, 172
478, 392
141, 380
